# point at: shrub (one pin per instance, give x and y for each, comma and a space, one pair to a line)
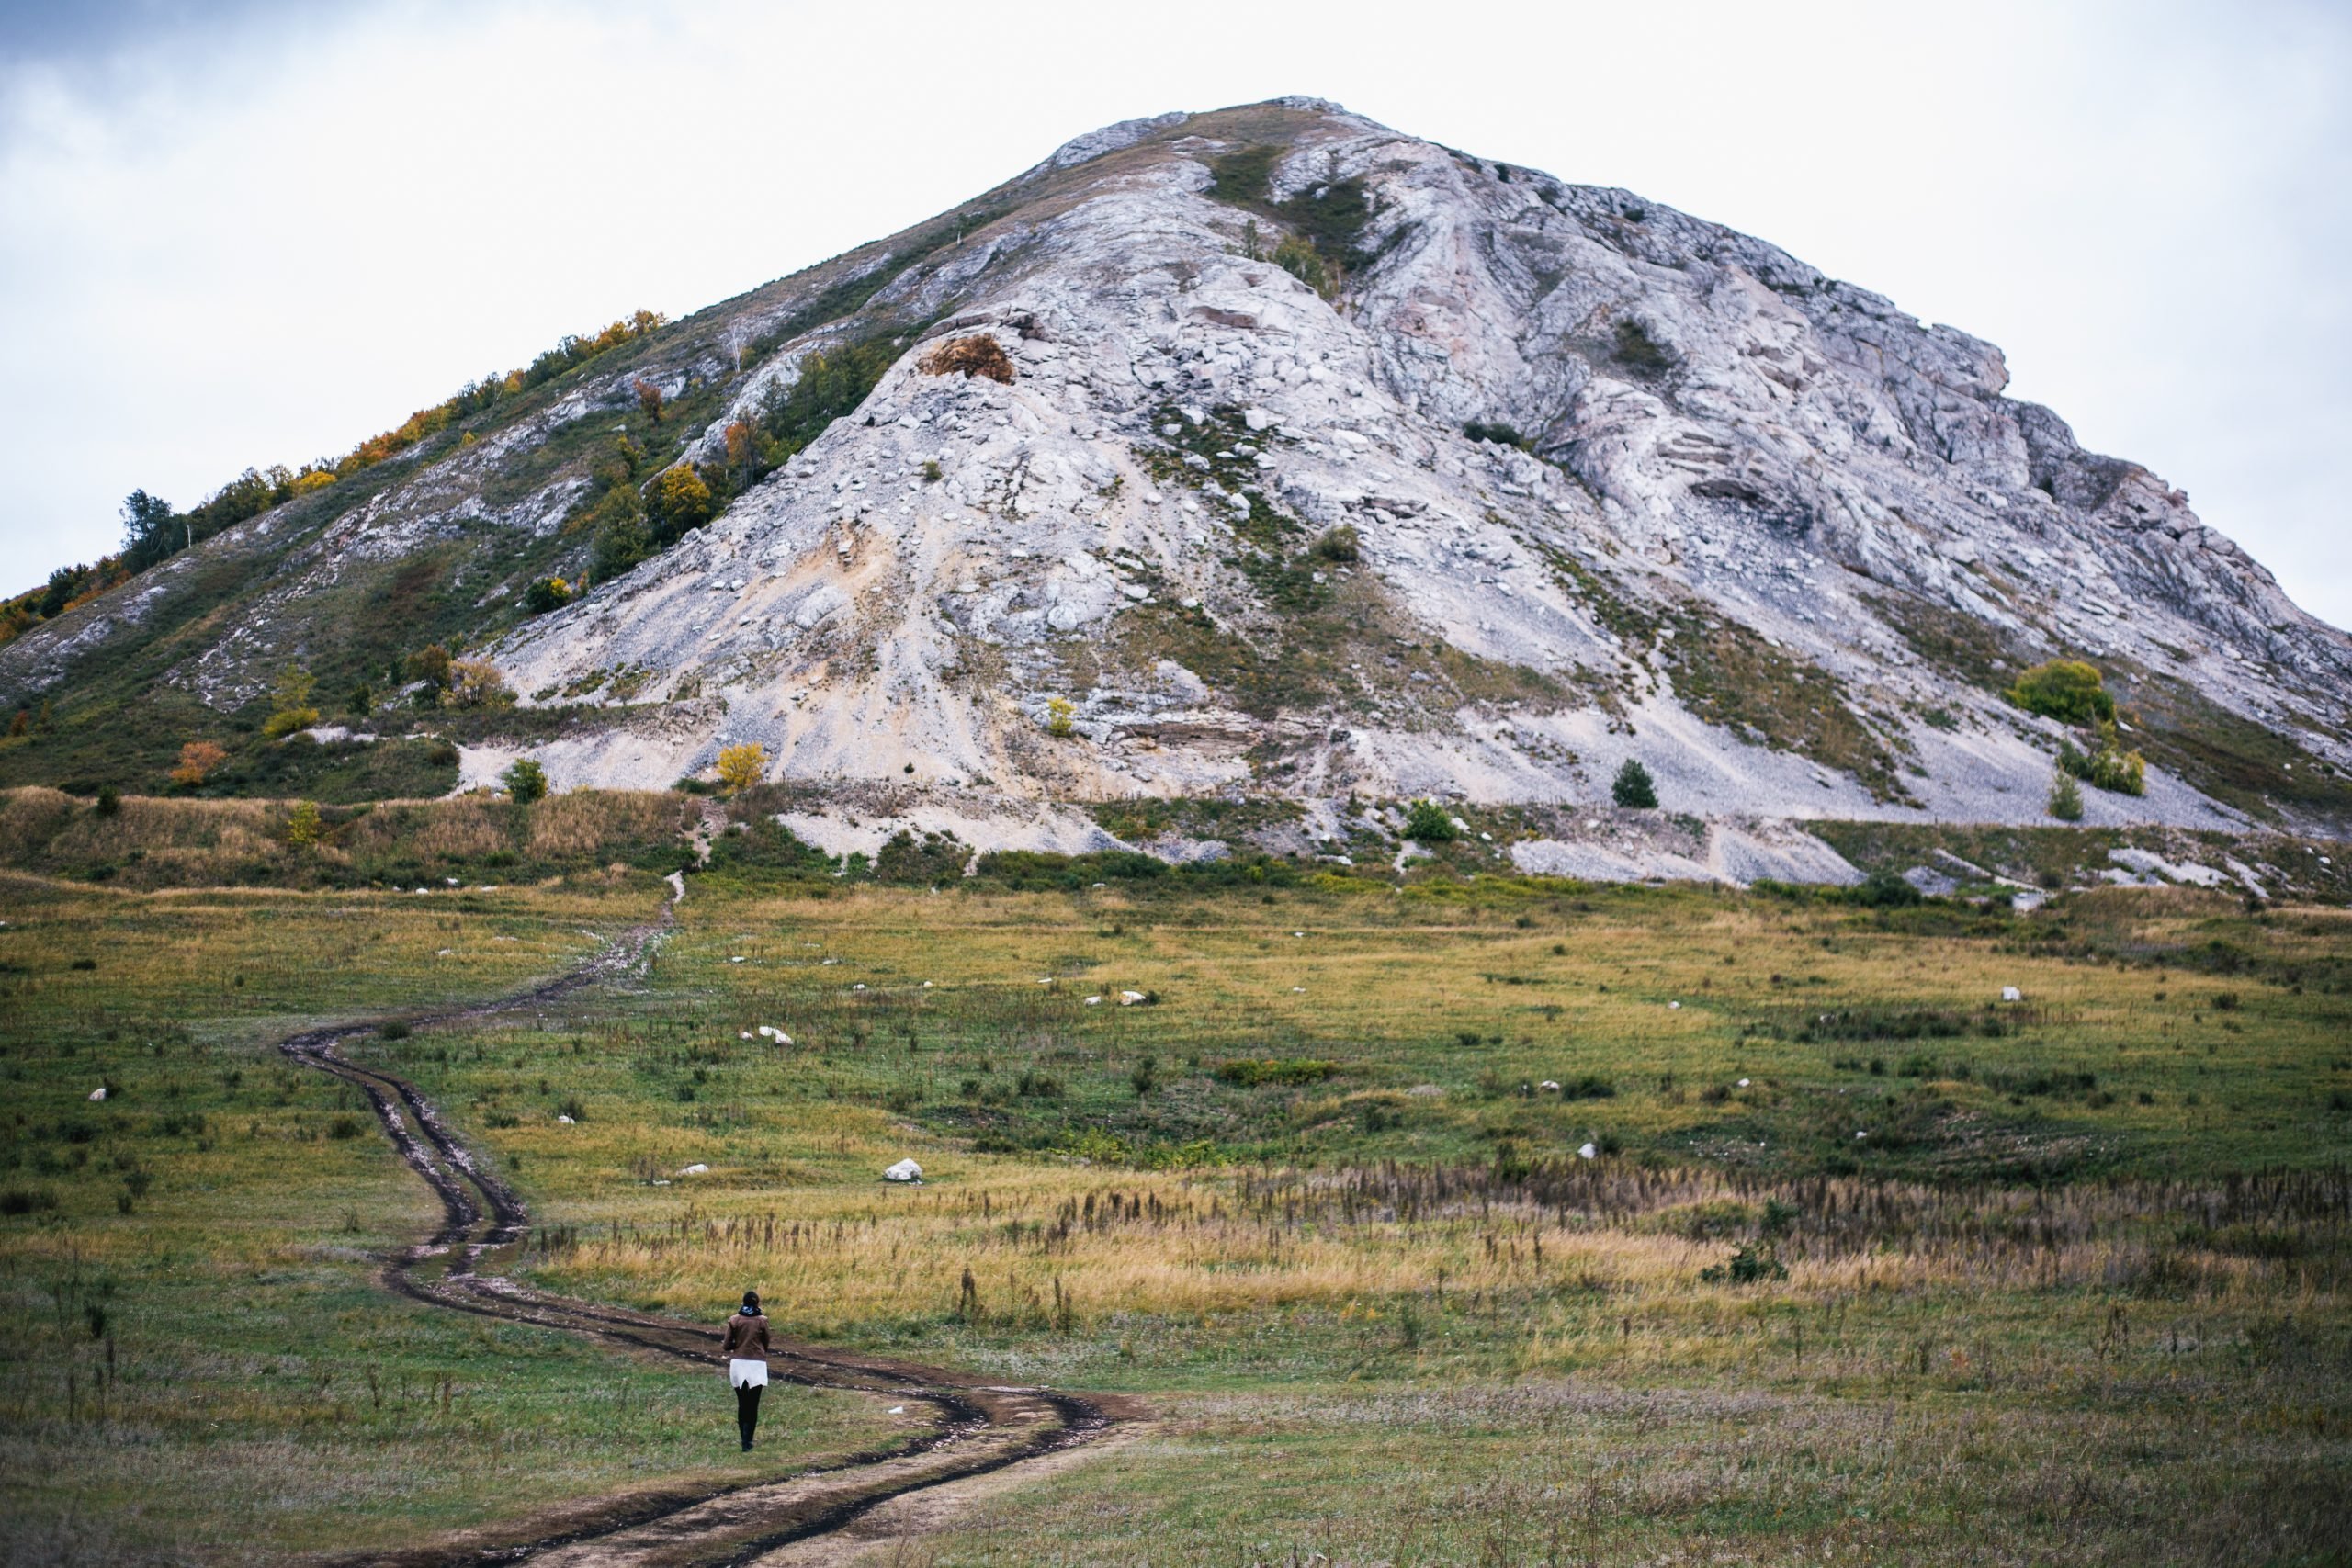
1298, 258
1496, 430
979, 355
1883, 890
1057, 718
1427, 822
1034, 1085
2064, 689
526, 782
1591, 1085
343, 1127
392, 1028
109, 803
2109, 768
1340, 544
1632, 787
476, 684
302, 824
2065, 798
1249, 1072
1636, 348
1754, 1263
546, 594
286, 721
27, 1200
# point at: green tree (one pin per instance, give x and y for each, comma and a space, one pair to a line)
1427, 822
526, 782
302, 824
1632, 787
546, 594
430, 664
290, 707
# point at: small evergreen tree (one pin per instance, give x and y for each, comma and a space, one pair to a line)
302, 824
2065, 798
1632, 787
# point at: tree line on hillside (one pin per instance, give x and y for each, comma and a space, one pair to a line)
153, 531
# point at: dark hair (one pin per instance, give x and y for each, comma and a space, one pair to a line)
750, 1298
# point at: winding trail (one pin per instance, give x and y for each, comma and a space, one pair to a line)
974, 1428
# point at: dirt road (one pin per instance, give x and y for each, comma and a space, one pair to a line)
974, 1429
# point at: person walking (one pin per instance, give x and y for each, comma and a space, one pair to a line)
746, 1350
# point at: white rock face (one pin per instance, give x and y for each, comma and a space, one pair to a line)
1758, 510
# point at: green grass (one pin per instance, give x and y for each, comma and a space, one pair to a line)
2079, 1296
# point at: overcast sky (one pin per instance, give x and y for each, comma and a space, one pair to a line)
248, 233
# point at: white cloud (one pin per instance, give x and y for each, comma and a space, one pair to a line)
261, 239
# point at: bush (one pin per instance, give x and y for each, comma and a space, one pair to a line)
1753, 1264
1883, 890
526, 782
1496, 430
2109, 768
476, 684
1300, 259
546, 594
2065, 798
286, 721
1427, 822
343, 1127
1632, 787
303, 825
109, 803
2066, 690
1340, 544
1251, 1072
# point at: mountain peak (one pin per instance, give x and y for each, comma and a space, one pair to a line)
1267, 453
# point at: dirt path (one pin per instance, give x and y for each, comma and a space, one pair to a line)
974, 1429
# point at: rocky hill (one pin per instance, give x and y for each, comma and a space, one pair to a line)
1265, 457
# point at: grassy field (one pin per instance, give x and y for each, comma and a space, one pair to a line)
2075, 1294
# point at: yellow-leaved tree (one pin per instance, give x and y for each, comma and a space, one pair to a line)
198, 759
740, 767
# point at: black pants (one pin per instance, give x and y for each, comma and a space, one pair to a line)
747, 1412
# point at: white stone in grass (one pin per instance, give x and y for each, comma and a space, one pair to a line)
905, 1170
1093, 1001
1742, 1083
450, 880
742, 1034
2011, 994
1549, 1087
858, 987
1675, 1006
737, 959
697, 1168
1586, 1151
565, 1122
99, 1092
1861, 1135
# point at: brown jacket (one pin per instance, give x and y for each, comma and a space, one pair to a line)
747, 1338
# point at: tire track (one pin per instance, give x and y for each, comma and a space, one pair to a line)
974, 1429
